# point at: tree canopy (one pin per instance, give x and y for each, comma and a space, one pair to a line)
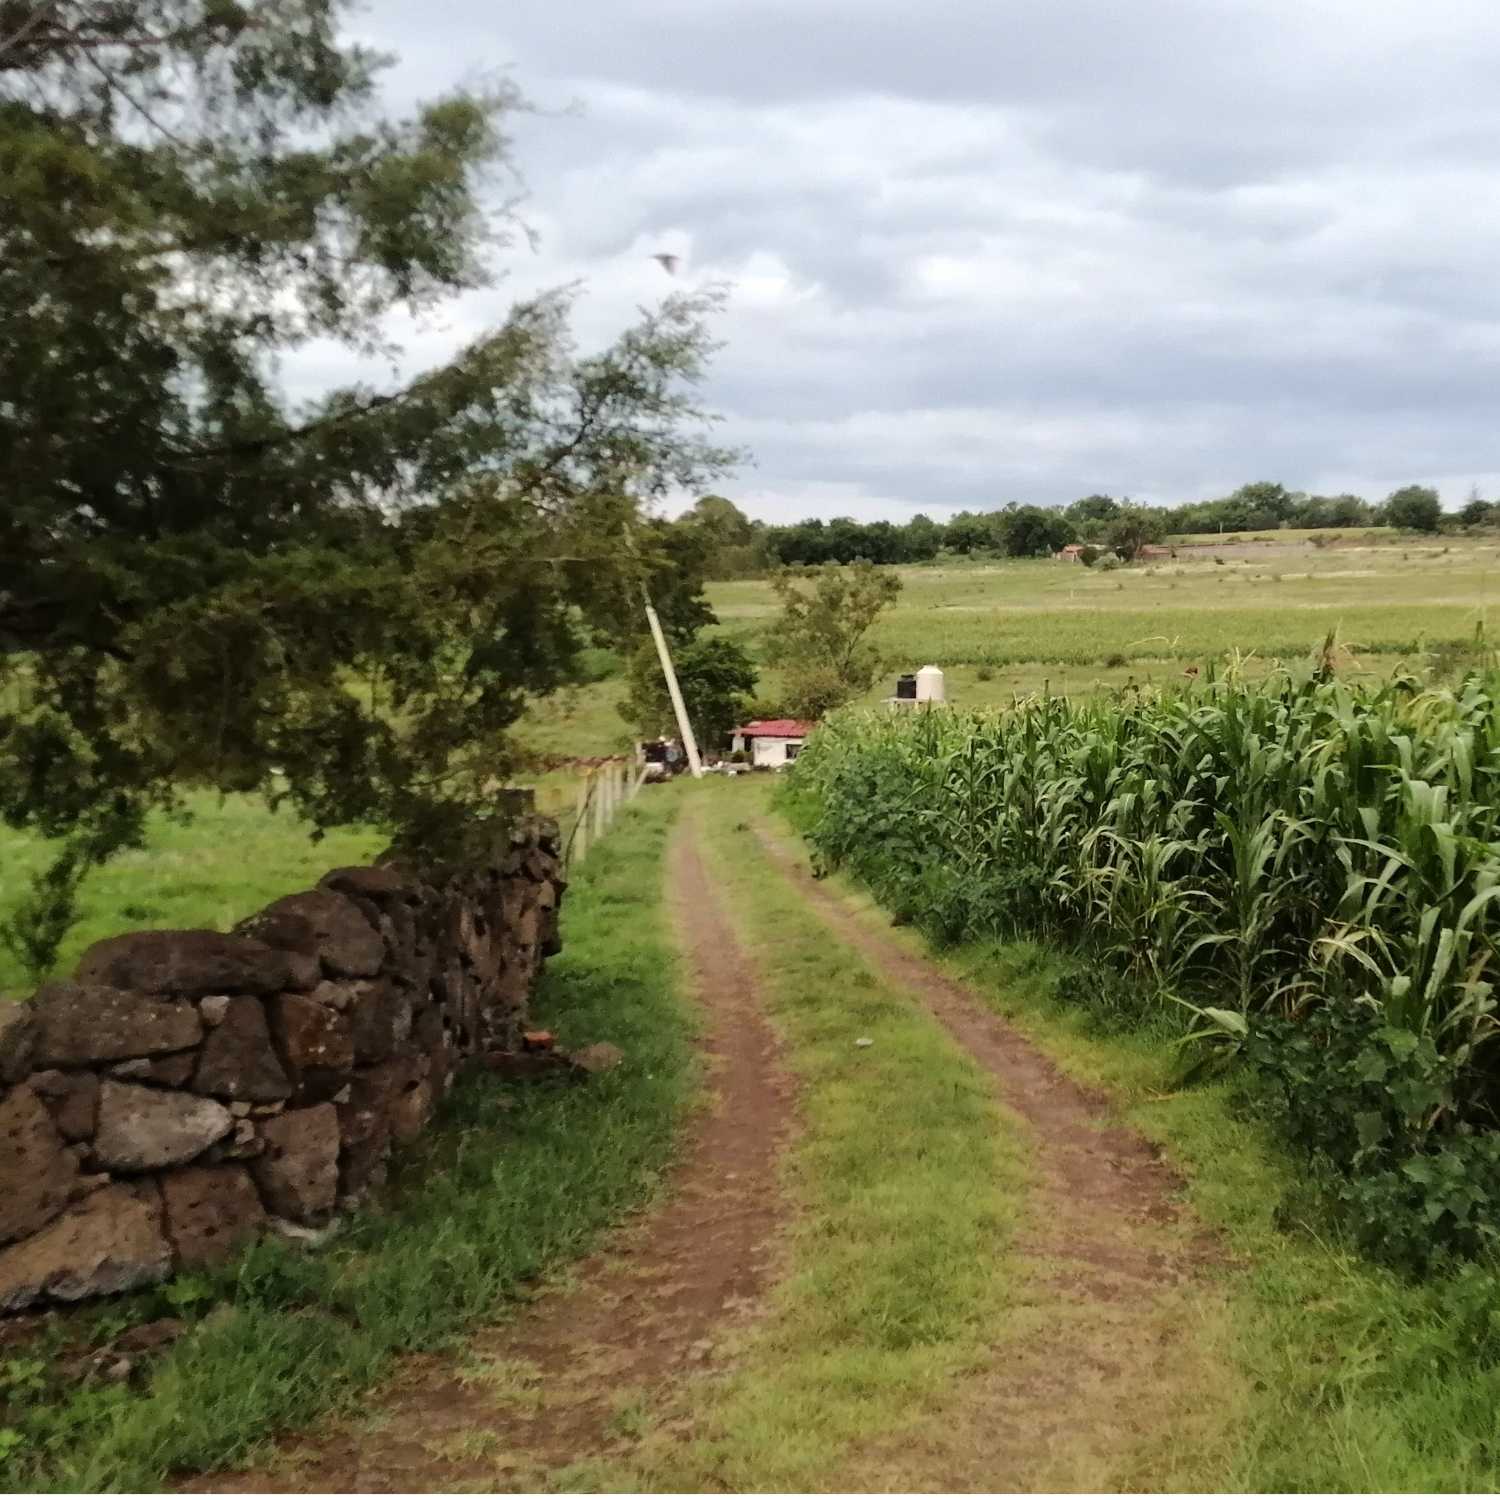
344, 601
1413, 508
716, 679
1134, 527
820, 638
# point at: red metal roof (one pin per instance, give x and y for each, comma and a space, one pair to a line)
777, 729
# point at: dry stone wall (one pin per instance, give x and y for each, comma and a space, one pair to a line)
187, 1090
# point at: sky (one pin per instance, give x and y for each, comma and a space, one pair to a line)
995, 250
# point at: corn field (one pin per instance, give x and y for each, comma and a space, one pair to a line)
1264, 858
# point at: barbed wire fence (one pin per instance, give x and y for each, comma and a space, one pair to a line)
602, 792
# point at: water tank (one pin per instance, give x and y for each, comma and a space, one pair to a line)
906, 685
930, 685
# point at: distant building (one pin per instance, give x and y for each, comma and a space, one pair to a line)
1069, 553
772, 742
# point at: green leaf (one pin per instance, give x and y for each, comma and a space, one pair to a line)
1420, 1169
1371, 1127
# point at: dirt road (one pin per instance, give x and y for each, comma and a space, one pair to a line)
1108, 1356
1103, 1362
637, 1325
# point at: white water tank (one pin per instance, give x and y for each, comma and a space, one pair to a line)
930, 685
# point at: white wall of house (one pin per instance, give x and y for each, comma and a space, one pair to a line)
773, 752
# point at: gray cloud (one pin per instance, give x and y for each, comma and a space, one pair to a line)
984, 252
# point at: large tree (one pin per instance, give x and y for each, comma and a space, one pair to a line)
345, 600
1091, 514
820, 638
716, 679
732, 544
1134, 527
1414, 507
1030, 531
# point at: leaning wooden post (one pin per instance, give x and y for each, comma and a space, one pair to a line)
596, 780
579, 842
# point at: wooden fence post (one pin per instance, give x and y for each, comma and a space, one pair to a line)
578, 843
596, 779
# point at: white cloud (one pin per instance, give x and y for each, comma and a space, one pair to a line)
1026, 251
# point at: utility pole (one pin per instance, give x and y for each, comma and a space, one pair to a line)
683, 727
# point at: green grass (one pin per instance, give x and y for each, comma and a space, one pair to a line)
496, 1196
906, 1180
1275, 599
579, 720
1356, 1378
1290, 534
233, 856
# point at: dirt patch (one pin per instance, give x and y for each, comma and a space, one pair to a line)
578, 1375
1106, 1370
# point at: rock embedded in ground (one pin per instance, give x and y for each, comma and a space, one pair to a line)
191, 964
298, 1172
210, 1212
37, 1171
598, 1058
78, 1025
147, 1338
303, 1234
412, 1111
111, 1242
238, 1061
141, 1129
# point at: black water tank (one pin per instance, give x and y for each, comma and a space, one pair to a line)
906, 685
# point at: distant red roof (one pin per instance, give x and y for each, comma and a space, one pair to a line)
777, 729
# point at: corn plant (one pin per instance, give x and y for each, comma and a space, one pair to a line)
1265, 849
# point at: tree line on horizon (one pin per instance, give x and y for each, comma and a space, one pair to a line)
738, 546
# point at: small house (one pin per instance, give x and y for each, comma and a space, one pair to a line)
772, 742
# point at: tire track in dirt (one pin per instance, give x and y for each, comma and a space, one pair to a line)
1105, 1372
641, 1321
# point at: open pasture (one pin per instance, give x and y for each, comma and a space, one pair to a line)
226, 858
1263, 599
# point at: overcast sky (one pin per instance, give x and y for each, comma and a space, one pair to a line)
991, 250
